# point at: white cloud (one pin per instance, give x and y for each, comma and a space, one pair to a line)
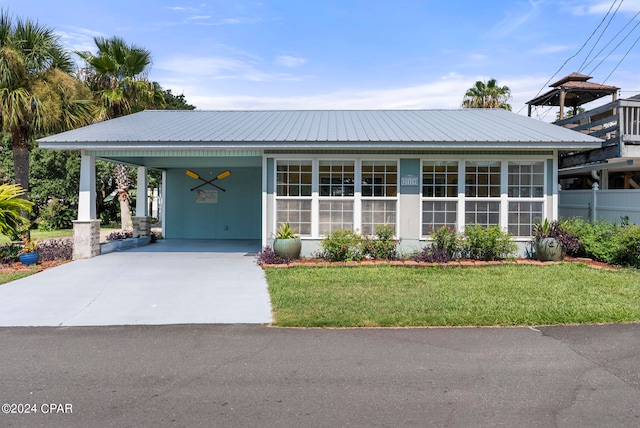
547, 49
289, 61
514, 18
602, 7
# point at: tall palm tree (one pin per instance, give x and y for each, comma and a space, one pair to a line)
487, 95
118, 76
37, 93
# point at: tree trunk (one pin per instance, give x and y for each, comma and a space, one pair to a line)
20, 148
125, 211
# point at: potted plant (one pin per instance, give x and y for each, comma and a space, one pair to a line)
29, 253
287, 243
551, 241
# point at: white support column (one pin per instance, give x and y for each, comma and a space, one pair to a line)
87, 196
142, 198
86, 229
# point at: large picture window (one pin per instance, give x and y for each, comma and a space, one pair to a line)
525, 190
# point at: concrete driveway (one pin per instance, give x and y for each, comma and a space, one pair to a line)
169, 282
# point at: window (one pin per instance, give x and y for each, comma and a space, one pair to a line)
482, 184
526, 179
436, 214
337, 178
525, 190
336, 181
522, 217
293, 192
440, 179
294, 178
482, 179
379, 178
439, 195
379, 194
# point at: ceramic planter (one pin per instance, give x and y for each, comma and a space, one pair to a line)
549, 250
29, 258
289, 248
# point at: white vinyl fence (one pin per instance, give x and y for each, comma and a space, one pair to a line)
595, 204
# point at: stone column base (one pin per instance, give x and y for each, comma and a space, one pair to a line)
141, 226
86, 239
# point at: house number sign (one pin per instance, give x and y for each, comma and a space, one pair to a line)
409, 180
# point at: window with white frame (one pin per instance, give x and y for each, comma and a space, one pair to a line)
336, 188
482, 192
439, 195
525, 191
379, 194
293, 194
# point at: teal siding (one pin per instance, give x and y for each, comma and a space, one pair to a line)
410, 168
271, 186
237, 215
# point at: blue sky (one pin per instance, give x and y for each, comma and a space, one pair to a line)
356, 54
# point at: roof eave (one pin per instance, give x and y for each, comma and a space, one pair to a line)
457, 145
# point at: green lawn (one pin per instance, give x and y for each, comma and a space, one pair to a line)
37, 235
484, 296
8, 277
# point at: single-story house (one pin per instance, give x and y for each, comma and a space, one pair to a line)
325, 170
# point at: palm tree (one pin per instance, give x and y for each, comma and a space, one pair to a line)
487, 95
37, 93
118, 76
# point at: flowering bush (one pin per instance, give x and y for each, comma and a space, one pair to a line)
383, 246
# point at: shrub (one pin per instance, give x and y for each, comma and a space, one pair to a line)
383, 246
342, 245
628, 251
114, 236
488, 243
599, 240
55, 215
9, 253
448, 240
269, 257
431, 254
55, 249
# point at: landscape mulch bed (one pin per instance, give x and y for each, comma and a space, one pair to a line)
39, 267
455, 263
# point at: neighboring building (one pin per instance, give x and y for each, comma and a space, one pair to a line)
613, 166
325, 170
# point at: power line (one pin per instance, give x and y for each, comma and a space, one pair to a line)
576, 54
610, 41
616, 47
602, 34
622, 59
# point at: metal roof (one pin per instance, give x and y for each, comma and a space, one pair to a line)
464, 128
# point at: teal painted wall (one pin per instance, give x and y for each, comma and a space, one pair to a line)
236, 215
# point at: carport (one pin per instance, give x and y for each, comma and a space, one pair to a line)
187, 281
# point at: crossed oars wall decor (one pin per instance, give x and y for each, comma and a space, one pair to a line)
223, 174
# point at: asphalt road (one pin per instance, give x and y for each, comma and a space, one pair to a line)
257, 376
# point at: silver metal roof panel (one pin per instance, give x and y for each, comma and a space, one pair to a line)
316, 128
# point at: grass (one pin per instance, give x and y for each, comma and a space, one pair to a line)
39, 234
12, 276
509, 295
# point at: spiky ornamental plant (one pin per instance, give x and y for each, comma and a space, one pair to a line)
11, 207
